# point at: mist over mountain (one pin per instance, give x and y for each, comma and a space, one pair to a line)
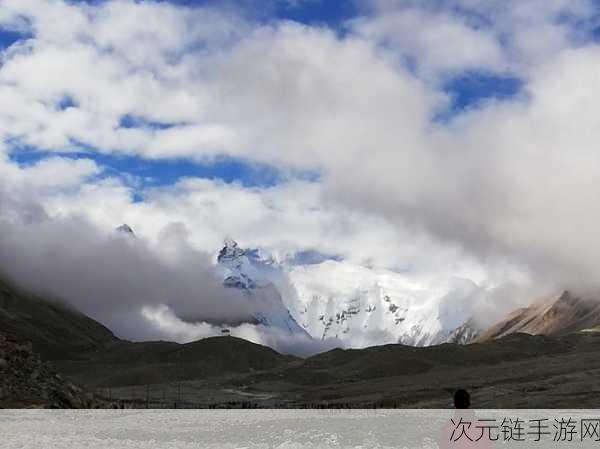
142, 291
167, 289
111, 276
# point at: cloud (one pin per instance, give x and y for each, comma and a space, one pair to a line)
106, 275
213, 89
435, 42
112, 277
174, 328
54, 172
283, 220
142, 289
451, 35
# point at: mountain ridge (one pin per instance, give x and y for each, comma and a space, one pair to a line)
54, 328
554, 315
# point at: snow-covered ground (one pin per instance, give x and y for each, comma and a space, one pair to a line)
253, 429
227, 429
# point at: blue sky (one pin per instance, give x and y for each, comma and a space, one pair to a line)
472, 89
330, 13
155, 173
9, 37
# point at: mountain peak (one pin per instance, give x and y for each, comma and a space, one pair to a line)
247, 272
230, 254
230, 243
125, 229
554, 315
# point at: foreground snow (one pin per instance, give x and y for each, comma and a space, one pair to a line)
213, 429
253, 429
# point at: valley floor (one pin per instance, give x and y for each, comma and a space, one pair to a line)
518, 371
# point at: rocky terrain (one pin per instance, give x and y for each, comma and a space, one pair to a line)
516, 371
125, 363
26, 381
55, 330
555, 315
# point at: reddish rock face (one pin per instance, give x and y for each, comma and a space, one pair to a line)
556, 315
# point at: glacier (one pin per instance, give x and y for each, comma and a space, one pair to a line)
354, 305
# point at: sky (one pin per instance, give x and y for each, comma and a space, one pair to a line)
441, 138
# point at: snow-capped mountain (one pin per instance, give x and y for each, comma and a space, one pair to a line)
246, 271
363, 307
357, 305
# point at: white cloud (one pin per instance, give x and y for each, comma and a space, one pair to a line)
436, 42
175, 329
46, 176
282, 220
283, 93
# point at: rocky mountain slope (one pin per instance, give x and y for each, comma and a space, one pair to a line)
555, 315
26, 381
55, 330
515, 371
146, 363
40, 335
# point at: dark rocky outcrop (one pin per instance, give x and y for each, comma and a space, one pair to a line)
26, 381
